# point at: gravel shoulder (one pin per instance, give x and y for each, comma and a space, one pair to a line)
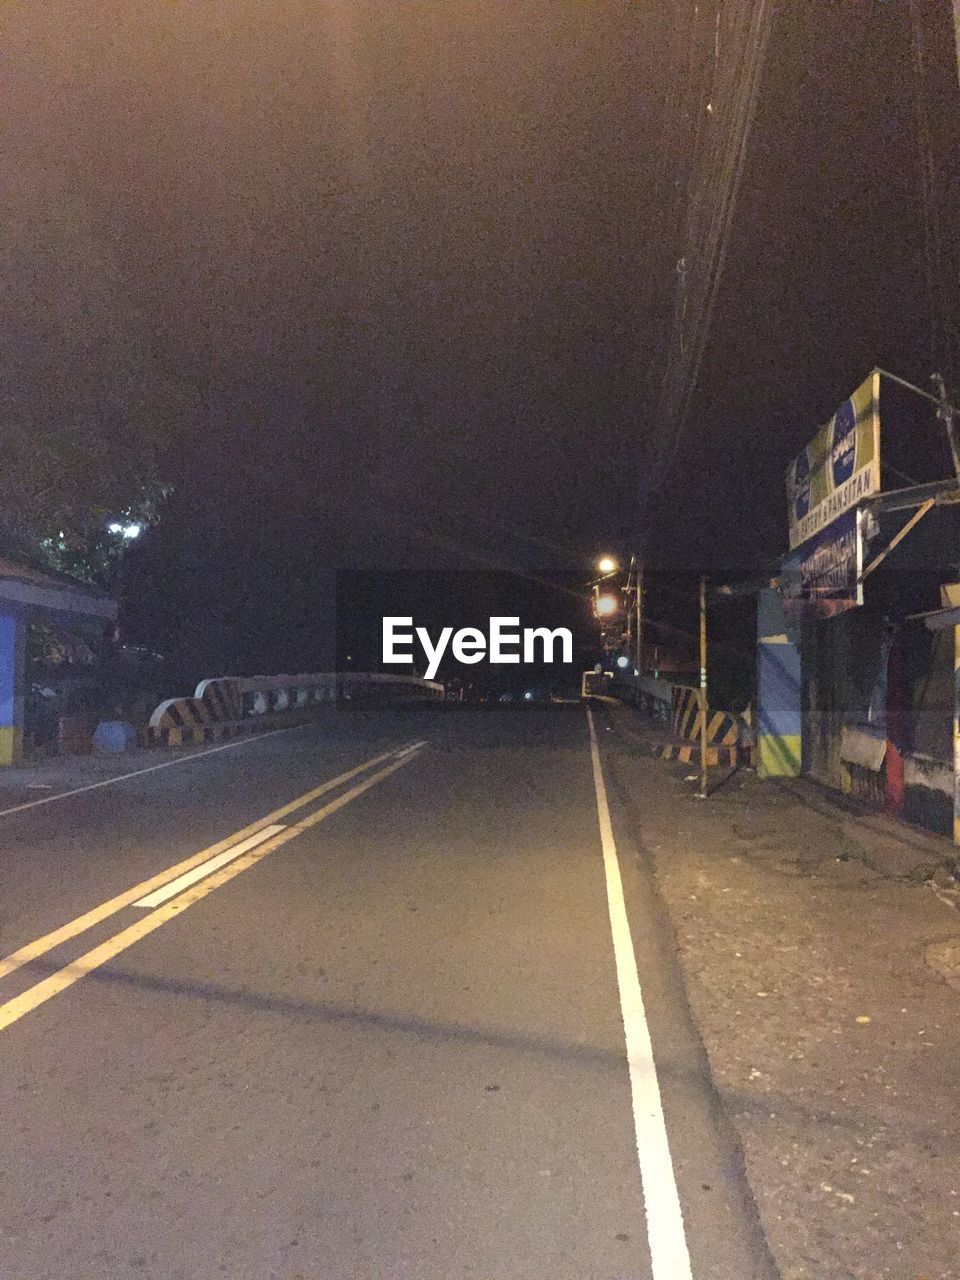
823, 967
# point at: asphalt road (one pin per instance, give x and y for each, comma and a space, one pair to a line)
393, 1029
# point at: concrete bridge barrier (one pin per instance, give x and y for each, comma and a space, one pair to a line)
676, 707
228, 706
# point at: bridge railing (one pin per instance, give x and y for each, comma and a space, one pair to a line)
730, 735
653, 696
262, 694
228, 705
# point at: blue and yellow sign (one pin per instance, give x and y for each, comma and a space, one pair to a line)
822, 576
839, 467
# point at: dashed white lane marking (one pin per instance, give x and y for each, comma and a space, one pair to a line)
207, 868
40, 946
13, 1010
669, 1255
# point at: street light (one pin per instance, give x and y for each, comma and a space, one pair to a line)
607, 605
126, 531
607, 564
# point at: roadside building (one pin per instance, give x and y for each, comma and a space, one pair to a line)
855, 652
29, 600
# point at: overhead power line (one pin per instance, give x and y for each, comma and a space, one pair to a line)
728, 42
939, 277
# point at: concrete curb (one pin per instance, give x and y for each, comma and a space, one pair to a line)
197, 735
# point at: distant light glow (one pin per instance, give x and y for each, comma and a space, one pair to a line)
606, 605
623, 662
128, 531
607, 564
529, 695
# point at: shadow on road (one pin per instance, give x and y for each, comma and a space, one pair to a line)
425, 1029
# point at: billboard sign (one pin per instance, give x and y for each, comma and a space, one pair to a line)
839, 467
822, 577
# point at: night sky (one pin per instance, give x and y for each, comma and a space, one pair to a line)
392, 281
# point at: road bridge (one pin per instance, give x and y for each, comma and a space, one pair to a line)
386, 994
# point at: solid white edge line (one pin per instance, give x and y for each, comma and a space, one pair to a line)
669, 1256
207, 868
165, 764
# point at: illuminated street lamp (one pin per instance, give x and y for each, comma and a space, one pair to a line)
606, 606
126, 531
607, 564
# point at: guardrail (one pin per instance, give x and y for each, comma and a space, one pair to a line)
652, 696
228, 706
730, 737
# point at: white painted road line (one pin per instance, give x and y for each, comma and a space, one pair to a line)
207, 868
13, 1010
669, 1255
40, 946
138, 773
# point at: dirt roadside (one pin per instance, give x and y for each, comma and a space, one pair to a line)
819, 964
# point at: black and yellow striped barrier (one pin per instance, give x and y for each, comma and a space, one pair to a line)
725, 739
723, 728
689, 753
223, 697
218, 708
215, 711
193, 735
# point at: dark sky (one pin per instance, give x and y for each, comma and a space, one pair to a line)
394, 266
400, 238
826, 276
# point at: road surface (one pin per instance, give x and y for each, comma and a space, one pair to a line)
365, 1000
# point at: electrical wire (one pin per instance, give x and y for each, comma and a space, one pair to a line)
943, 333
725, 95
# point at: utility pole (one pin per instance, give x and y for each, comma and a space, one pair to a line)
956, 30
639, 604
702, 793
630, 593
945, 411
